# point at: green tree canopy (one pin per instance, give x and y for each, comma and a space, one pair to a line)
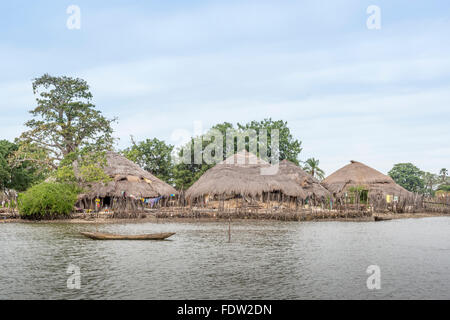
289, 147
65, 121
154, 156
185, 174
5, 171
408, 176
444, 181
430, 182
82, 169
18, 177
312, 167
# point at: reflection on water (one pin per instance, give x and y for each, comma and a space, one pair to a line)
265, 260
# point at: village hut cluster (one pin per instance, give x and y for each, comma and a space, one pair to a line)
246, 183
129, 190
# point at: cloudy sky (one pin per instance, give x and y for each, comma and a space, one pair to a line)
347, 92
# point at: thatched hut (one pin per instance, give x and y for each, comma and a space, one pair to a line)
310, 185
240, 181
130, 185
371, 186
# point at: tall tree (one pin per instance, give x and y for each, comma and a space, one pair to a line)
289, 148
430, 181
65, 121
312, 167
152, 155
408, 176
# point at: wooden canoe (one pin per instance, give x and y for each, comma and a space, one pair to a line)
110, 236
381, 219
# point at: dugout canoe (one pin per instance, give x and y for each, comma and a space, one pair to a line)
381, 219
110, 236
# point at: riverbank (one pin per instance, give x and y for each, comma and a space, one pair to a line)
103, 219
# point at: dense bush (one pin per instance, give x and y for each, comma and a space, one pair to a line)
47, 200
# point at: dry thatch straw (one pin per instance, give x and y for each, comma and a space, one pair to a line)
310, 185
128, 177
358, 174
241, 174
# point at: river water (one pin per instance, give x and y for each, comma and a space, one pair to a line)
265, 260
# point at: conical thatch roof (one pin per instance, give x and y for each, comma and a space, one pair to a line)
358, 174
240, 174
310, 185
128, 177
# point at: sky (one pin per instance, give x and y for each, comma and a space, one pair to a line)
379, 96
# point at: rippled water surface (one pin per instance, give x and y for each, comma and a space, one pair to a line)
267, 260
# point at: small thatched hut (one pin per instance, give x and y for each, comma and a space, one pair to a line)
240, 181
371, 185
130, 184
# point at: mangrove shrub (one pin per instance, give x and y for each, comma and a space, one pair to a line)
47, 200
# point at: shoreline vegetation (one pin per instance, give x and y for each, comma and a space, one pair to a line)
151, 218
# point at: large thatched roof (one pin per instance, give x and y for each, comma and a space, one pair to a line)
358, 174
310, 185
241, 175
128, 177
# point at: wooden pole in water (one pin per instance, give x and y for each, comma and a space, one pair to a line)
229, 227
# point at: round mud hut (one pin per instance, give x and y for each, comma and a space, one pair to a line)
246, 181
359, 184
130, 188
